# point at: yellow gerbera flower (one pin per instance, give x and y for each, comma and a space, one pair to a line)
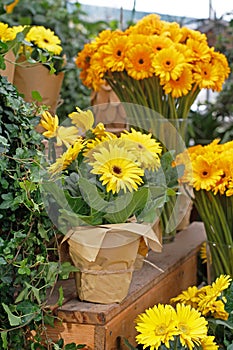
149, 25
146, 149
117, 169
208, 343
138, 61
67, 135
169, 63
191, 325
45, 39
156, 326
66, 158
221, 283
6, 33
49, 123
182, 85
187, 297
206, 75
82, 119
205, 174
114, 53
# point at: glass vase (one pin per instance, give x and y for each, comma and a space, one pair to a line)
216, 212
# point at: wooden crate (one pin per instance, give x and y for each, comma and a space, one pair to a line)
163, 276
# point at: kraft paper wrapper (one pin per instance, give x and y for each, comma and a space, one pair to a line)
35, 77
8, 72
105, 256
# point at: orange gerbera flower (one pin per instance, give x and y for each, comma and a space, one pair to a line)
138, 62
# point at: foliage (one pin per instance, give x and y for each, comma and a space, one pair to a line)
29, 262
71, 24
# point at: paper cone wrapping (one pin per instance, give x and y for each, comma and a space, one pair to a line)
106, 256
35, 77
8, 72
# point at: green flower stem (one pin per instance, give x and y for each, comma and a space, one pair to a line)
218, 221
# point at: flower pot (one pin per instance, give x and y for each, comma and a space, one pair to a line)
36, 77
8, 72
105, 256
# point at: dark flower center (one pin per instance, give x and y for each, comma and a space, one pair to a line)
119, 53
116, 170
141, 61
205, 173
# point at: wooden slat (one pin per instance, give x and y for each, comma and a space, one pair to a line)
186, 244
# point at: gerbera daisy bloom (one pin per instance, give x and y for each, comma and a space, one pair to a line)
114, 53
66, 158
149, 25
49, 123
199, 49
182, 85
187, 297
158, 42
156, 326
208, 343
205, 174
6, 33
203, 253
145, 148
138, 62
169, 64
206, 75
117, 169
82, 119
67, 135
191, 325
45, 39
221, 283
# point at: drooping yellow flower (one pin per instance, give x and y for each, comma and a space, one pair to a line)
146, 149
67, 135
66, 158
191, 325
187, 297
221, 283
82, 119
6, 33
138, 62
45, 39
169, 63
117, 169
203, 253
208, 343
49, 123
156, 326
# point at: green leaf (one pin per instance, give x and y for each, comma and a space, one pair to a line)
36, 96
138, 202
14, 320
4, 339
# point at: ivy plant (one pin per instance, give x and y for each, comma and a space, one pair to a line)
29, 260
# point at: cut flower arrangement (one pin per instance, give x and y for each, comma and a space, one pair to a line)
208, 170
154, 63
198, 318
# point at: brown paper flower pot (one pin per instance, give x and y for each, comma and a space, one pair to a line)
35, 77
8, 72
106, 279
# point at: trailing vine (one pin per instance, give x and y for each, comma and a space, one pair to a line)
29, 259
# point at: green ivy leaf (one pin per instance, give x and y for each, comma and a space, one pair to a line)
14, 320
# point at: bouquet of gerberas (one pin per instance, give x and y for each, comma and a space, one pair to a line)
201, 319
208, 170
154, 63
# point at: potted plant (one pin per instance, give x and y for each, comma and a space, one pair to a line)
40, 63
102, 189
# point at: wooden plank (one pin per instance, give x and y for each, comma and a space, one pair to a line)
72, 332
157, 267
